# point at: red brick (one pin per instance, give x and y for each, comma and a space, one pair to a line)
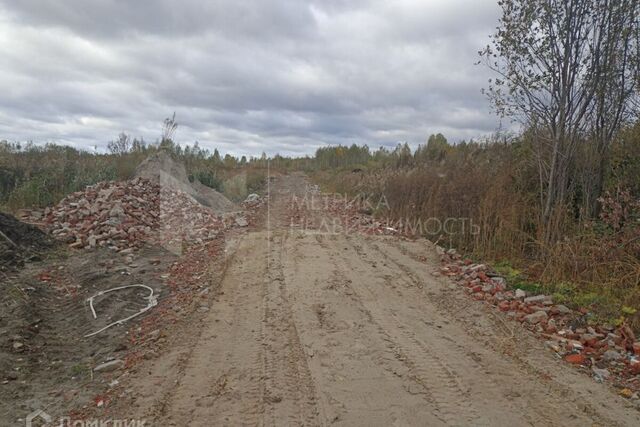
576, 359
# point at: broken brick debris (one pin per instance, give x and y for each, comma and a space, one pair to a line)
124, 215
611, 353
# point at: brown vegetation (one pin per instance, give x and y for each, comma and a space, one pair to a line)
491, 193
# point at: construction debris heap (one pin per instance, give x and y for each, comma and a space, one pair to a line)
123, 215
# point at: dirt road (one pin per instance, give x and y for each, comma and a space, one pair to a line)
310, 328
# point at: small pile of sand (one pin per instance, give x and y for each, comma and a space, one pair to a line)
161, 168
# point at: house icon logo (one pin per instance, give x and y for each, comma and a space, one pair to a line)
38, 418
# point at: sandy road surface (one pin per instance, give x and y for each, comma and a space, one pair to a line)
313, 328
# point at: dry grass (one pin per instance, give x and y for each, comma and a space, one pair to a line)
494, 188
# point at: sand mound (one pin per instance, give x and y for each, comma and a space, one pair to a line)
168, 173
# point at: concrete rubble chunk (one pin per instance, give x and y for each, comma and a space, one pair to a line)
534, 299
611, 356
562, 309
252, 198
552, 345
117, 211
600, 374
545, 309
241, 221
500, 281
536, 317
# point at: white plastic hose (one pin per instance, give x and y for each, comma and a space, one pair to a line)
152, 302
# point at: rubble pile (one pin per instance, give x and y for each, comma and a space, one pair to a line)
124, 215
252, 200
251, 205
183, 220
606, 351
114, 214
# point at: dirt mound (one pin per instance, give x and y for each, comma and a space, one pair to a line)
20, 242
168, 173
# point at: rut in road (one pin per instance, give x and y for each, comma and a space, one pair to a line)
312, 328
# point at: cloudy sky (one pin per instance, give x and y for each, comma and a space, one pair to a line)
244, 75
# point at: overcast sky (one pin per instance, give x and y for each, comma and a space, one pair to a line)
244, 75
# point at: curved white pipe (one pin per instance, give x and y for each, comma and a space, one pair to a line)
151, 298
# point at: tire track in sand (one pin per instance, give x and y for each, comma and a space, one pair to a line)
290, 391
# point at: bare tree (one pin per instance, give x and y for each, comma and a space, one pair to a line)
560, 63
120, 146
168, 130
615, 93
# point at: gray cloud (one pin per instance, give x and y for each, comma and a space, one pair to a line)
244, 76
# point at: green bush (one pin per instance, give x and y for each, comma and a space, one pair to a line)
255, 180
207, 178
